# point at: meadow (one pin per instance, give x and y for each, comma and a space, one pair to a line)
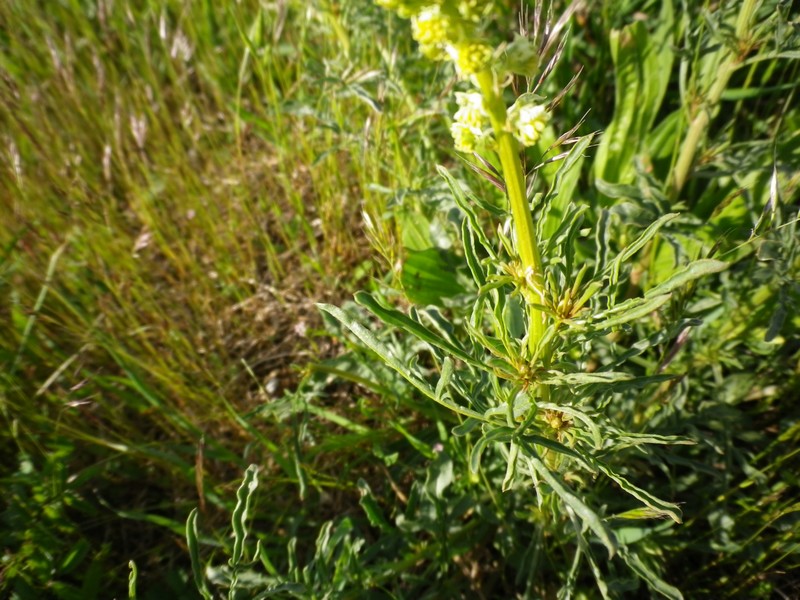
355, 299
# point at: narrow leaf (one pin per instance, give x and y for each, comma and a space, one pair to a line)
444, 378
398, 319
636, 310
653, 581
498, 434
410, 374
690, 272
587, 515
194, 555
239, 516
667, 509
645, 237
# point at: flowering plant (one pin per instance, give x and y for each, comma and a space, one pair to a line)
548, 344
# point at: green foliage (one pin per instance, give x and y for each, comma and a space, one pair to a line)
184, 181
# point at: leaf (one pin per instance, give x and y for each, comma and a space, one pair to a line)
587, 515
653, 581
555, 203
444, 378
194, 555
626, 439
639, 243
466, 427
511, 467
467, 205
401, 321
587, 378
239, 516
690, 272
429, 276
414, 230
635, 383
440, 475
410, 374
642, 68
497, 434
371, 508
666, 509
471, 254
556, 447
636, 309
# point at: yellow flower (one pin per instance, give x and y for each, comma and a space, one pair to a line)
470, 57
471, 9
464, 137
470, 109
469, 125
527, 120
405, 8
430, 27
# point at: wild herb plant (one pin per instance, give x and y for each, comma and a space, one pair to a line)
537, 358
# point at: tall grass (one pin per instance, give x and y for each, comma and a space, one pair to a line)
181, 185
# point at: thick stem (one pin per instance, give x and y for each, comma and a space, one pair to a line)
508, 152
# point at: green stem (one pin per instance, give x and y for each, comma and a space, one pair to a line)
699, 125
508, 152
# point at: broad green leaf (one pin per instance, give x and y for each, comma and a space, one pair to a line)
414, 230
663, 140
429, 276
642, 68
